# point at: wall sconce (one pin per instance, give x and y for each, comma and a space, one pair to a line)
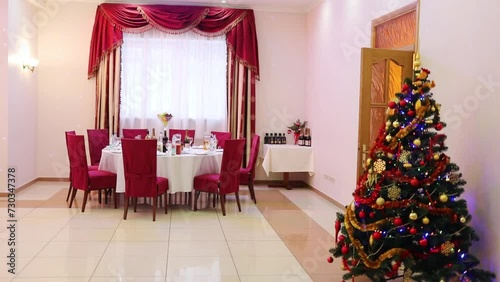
30, 63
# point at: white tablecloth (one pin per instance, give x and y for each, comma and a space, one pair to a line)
287, 158
180, 170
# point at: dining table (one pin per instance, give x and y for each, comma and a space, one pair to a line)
179, 169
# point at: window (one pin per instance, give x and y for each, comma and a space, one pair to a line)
182, 74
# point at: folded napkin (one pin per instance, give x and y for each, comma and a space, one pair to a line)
197, 147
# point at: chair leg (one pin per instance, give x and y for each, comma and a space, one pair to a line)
238, 200
73, 194
155, 202
250, 187
135, 203
105, 196
115, 198
125, 211
100, 197
196, 200
69, 192
85, 196
223, 204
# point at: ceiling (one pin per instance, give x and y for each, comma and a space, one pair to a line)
299, 6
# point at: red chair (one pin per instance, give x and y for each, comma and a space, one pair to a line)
98, 140
247, 174
228, 180
182, 132
139, 164
221, 137
92, 167
81, 177
132, 133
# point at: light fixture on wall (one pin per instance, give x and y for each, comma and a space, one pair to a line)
30, 63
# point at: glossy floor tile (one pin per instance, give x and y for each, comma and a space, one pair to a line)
284, 237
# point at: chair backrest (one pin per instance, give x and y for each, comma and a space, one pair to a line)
231, 163
254, 152
98, 140
221, 137
132, 133
78, 161
139, 165
66, 133
182, 132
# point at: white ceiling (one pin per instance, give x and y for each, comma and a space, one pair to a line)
300, 6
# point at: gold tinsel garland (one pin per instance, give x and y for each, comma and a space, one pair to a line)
359, 247
402, 133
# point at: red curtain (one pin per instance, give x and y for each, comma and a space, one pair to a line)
112, 20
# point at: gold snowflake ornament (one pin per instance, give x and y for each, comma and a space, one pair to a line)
394, 192
404, 156
447, 248
407, 275
379, 166
454, 178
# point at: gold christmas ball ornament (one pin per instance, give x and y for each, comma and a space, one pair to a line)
425, 220
433, 108
380, 201
443, 198
370, 171
435, 157
388, 138
388, 123
395, 123
413, 216
407, 165
390, 156
368, 161
417, 142
463, 219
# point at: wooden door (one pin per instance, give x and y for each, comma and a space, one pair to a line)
382, 75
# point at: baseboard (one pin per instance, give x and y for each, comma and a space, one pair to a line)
333, 201
25, 186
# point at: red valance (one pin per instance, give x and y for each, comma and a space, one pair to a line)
111, 20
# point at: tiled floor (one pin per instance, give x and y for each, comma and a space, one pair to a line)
285, 237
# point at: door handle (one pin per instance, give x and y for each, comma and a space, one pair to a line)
364, 153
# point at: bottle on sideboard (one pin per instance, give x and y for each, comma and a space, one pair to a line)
266, 139
279, 139
301, 137
308, 137
283, 138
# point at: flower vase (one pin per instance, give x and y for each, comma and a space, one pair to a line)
296, 138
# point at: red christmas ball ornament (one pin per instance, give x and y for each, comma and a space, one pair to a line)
392, 105
341, 238
402, 103
354, 262
398, 173
329, 259
345, 249
395, 266
411, 113
414, 182
422, 163
454, 218
361, 214
398, 221
377, 235
438, 126
413, 231
405, 88
434, 250
423, 242
372, 214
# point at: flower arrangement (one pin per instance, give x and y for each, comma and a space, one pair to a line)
297, 126
165, 118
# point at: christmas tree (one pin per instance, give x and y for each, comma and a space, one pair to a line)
407, 219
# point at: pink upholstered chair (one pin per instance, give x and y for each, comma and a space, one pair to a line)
98, 140
81, 177
139, 164
247, 174
182, 132
92, 167
228, 180
221, 137
132, 133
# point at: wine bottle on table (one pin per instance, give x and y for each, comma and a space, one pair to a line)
165, 141
147, 134
154, 133
159, 143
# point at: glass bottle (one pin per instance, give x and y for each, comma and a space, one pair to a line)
147, 134
308, 138
279, 139
266, 139
283, 138
159, 144
301, 137
154, 133
165, 141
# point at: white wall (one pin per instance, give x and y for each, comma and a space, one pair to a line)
4, 114
459, 48
461, 55
281, 89
336, 31
66, 97
63, 47
22, 89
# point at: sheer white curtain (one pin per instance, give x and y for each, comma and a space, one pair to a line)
182, 74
